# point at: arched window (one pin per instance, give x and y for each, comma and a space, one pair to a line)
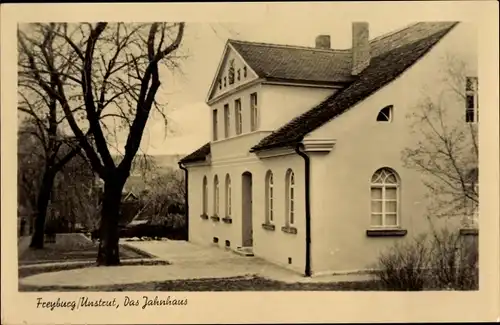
290, 197
205, 195
385, 198
269, 197
228, 196
216, 195
385, 114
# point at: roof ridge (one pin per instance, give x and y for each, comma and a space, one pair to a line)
395, 31
298, 47
399, 30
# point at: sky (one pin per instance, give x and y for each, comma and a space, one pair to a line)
186, 89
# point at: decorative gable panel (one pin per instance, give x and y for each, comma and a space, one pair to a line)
232, 73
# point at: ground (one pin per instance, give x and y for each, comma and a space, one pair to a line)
181, 266
69, 247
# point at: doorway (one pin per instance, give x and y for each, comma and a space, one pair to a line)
246, 208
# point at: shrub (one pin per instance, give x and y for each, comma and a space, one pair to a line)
403, 266
445, 260
454, 261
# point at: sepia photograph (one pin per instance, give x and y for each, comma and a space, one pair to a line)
168, 157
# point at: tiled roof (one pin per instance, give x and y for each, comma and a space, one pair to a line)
404, 50
198, 155
284, 62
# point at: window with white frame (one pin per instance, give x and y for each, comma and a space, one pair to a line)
205, 196
228, 195
214, 125
471, 100
216, 195
385, 198
227, 119
238, 116
269, 197
254, 112
290, 197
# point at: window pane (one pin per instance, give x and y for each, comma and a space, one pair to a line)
291, 194
376, 220
376, 178
377, 206
391, 179
376, 193
391, 220
390, 206
390, 193
469, 115
470, 101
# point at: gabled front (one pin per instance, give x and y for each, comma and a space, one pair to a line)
232, 73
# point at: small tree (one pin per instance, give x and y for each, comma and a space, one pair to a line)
447, 152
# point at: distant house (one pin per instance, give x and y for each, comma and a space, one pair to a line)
304, 167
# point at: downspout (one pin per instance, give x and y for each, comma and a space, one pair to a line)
307, 181
186, 197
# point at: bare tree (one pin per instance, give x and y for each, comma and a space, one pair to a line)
114, 74
165, 193
75, 197
41, 125
447, 152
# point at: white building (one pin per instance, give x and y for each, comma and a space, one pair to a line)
304, 168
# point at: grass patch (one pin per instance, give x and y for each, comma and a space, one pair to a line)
73, 247
253, 283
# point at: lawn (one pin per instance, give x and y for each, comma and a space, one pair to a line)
253, 283
72, 247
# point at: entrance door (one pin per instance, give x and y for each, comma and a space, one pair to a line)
247, 209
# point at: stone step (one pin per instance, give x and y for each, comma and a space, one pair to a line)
244, 251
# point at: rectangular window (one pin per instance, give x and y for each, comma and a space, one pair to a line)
238, 117
254, 112
214, 124
227, 119
471, 100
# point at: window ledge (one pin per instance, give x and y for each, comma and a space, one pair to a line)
215, 218
386, 232
204, 216
227, 220
268, 226
469, 231
289, 230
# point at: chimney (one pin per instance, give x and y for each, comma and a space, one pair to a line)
360, 47
323, 42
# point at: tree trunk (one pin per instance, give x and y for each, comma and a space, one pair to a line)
108, 253
41, 213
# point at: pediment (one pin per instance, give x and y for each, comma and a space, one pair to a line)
231, 73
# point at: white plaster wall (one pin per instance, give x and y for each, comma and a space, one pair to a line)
341, 179
274, 246
280, 104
